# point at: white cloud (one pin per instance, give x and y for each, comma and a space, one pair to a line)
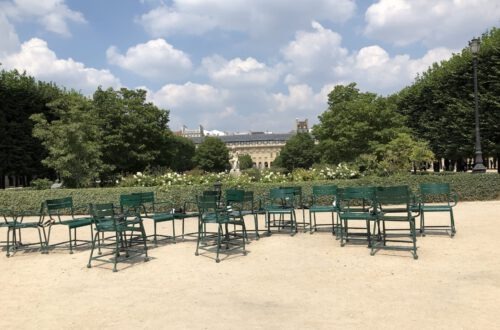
311, 54
318, 58
238, 72
53, 15
448, 23
201, 103
38, 60
153, 59
258, 18
9, 41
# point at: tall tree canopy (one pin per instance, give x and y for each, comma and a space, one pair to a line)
72, 140
355, 123
134, 132
20, 153
298, 152
439, 105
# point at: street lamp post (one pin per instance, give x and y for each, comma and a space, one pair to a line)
478, 167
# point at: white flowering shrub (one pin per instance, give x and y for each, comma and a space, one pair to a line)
327, 172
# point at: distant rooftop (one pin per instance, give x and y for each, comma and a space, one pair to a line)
253, 137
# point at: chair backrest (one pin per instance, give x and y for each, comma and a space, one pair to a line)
146, 197
103, 214
434, 188
282, 196
207, 203
397, 195
131, 203
55, 206
235, 196
324, 194
59, 206
356, 198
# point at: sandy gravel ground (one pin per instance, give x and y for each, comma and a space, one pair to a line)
302, 282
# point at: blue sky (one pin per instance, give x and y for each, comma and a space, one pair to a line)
237, 65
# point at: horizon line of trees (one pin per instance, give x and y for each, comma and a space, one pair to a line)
50, 132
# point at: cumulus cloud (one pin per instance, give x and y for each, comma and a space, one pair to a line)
153, 59
202, 103
447, 23
309, 56
37, 59
53, 15
240, 72
318, 58
9, 42
258, 18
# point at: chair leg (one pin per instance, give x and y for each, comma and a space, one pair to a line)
333, 224
40, 237
70, 242
143, 234
256, 222
173, 230
117, 251
414, 238
422, 223
453, 231
8, 241
200, 226
218, 242
183, 229
155, 240
96, 237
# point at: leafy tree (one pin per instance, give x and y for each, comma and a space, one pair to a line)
21, 153
134, 132
439, 105
72, 140
245, 161
179, 153
298, 152
403, 153
212, 155
355, 123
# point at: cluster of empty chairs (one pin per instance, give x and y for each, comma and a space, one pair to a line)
374, 216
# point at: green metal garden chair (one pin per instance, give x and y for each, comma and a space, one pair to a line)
357, 204
234, 203
14, 222
437, 197
108, 221
58, 210
396, 219
299, 203
280, 202
324, 200
210, 212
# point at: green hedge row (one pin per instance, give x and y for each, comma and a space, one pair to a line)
470, 187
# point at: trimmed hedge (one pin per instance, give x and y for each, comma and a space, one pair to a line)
470, 187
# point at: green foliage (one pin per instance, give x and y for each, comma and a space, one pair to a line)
439, 106
468, 186
298, 152
41, 184
212, 155
355, 123
245, 161
133, 131
20, 97
179, 153
402, 154
72, 140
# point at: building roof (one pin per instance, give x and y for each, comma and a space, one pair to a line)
248, 138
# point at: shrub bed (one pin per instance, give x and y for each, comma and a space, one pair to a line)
470, 187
